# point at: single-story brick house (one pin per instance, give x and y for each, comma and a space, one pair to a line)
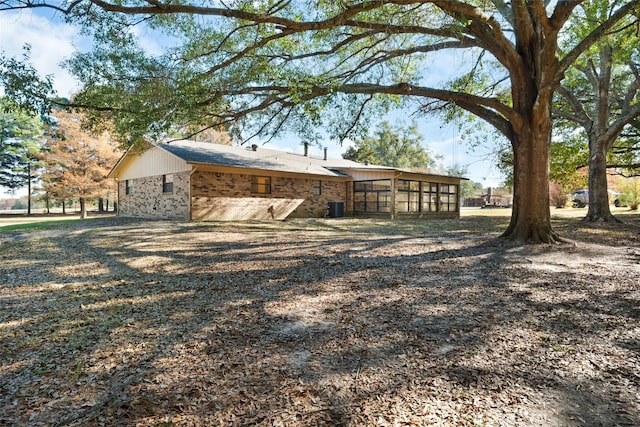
204, 181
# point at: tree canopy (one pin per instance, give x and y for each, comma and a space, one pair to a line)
20, 144
396, 146
269, 66
25, 90
77, 163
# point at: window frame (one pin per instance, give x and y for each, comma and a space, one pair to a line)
128, 186
258, 187
430, 196
167, 184
316, 187
372, 196
448, 199
408, 196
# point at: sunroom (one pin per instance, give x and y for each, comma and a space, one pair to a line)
400, 193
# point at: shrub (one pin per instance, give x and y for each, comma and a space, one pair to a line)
557, 195
21, 203
630, 189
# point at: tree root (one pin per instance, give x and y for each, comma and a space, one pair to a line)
535, 236
601, 219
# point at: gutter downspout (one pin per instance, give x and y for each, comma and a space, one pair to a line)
193, 170
117, 197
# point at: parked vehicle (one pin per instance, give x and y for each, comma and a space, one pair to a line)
580, 198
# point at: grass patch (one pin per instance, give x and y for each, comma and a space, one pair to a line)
34, 225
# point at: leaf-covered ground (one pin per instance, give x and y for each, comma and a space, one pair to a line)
318, 323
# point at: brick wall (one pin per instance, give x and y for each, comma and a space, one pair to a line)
224, 196
148, 200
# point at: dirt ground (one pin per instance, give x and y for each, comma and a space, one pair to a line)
339, 322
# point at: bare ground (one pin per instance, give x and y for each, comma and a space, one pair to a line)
318, 323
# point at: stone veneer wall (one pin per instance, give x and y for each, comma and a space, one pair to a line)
225, 196
148, 200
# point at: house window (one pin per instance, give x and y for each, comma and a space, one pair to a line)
448, 198
429, 197
317, 187
261, 185
372, 196
129, 186
408, 196
167, 183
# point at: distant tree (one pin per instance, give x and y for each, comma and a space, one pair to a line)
397, 146
20, 145
77, 163
20, 204
213, 136
468, 188
7, 203
569, 160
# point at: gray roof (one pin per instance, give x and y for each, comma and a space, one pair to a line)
262, 158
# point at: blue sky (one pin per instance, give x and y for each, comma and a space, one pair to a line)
52, 41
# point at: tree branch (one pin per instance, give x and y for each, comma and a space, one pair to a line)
615, 129
580, 115
483, 26
489, 109
593, 37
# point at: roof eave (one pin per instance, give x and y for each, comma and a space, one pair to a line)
332, 174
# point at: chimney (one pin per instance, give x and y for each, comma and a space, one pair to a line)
306, 149
325, 153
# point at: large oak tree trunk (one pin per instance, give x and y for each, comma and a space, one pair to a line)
533, 81
599, 210
531, 217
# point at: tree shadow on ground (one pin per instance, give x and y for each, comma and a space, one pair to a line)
150, 322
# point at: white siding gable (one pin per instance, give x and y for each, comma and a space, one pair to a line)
152, 162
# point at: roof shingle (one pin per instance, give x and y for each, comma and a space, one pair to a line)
261, 158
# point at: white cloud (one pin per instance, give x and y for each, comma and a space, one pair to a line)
52, 41
152, 42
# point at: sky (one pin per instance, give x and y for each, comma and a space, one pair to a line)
52, 41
